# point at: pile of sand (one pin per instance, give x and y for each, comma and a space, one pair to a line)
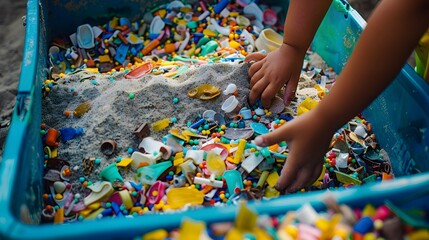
114, 115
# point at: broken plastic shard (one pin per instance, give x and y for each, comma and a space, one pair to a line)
83, 108
246, 220
140, 71
161, 124
204, 92
215, 163
277, 106
238, 133
259, 128
191, 229
179, 197
306, 106
346, 179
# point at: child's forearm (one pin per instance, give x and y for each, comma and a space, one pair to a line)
302, 20
389, 38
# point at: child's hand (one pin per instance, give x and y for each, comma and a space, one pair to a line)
271, 72
308, 141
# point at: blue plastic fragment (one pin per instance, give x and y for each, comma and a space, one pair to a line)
117, 209
197, 123
70, 133
259, 128
364, 225
121, 53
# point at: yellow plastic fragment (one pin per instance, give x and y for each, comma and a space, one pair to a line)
156, 235
83, 108
162, 12
271, 192
368, 211
94, 214
419, 234
318, 182
124, 162
262, 235
273, 178
209, 33
114, 22
369, 236
161, 124
246, 220
240, 150
177, 133
191, 230
94, 206
54, 153
59, 216
306, 106
204, 92
85, 212
178, 161
347, 179
215, 163
104, 58
234, 234
234, 44
179, 197
92, 70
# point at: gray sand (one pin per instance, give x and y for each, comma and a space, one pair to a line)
114, 116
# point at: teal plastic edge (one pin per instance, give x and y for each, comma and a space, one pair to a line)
13, 174
126, 228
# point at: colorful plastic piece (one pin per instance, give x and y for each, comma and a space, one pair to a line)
155, 192
83, 108
85, 36
140, 71
179, 197
233, 180
111, 173
99, 191
204, 92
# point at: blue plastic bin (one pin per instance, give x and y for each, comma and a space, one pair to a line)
399, 117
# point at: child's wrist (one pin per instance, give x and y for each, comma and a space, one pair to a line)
300, 50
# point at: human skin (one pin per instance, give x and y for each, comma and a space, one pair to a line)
392, 32
283, 66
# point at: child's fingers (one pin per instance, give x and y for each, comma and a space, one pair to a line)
256, 76
255, 68
256, 90
287, 177
268, 95
255, 57
290, 90
306, 177
299, 182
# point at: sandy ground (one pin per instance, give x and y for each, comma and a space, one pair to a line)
11, 49
11, 42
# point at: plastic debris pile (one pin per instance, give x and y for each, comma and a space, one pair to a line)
387, 221
212, 160
186, 34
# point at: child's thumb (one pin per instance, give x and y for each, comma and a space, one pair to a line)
271, 138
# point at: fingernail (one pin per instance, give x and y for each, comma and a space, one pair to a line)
259, 141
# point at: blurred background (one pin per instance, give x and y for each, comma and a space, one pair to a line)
11, 49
